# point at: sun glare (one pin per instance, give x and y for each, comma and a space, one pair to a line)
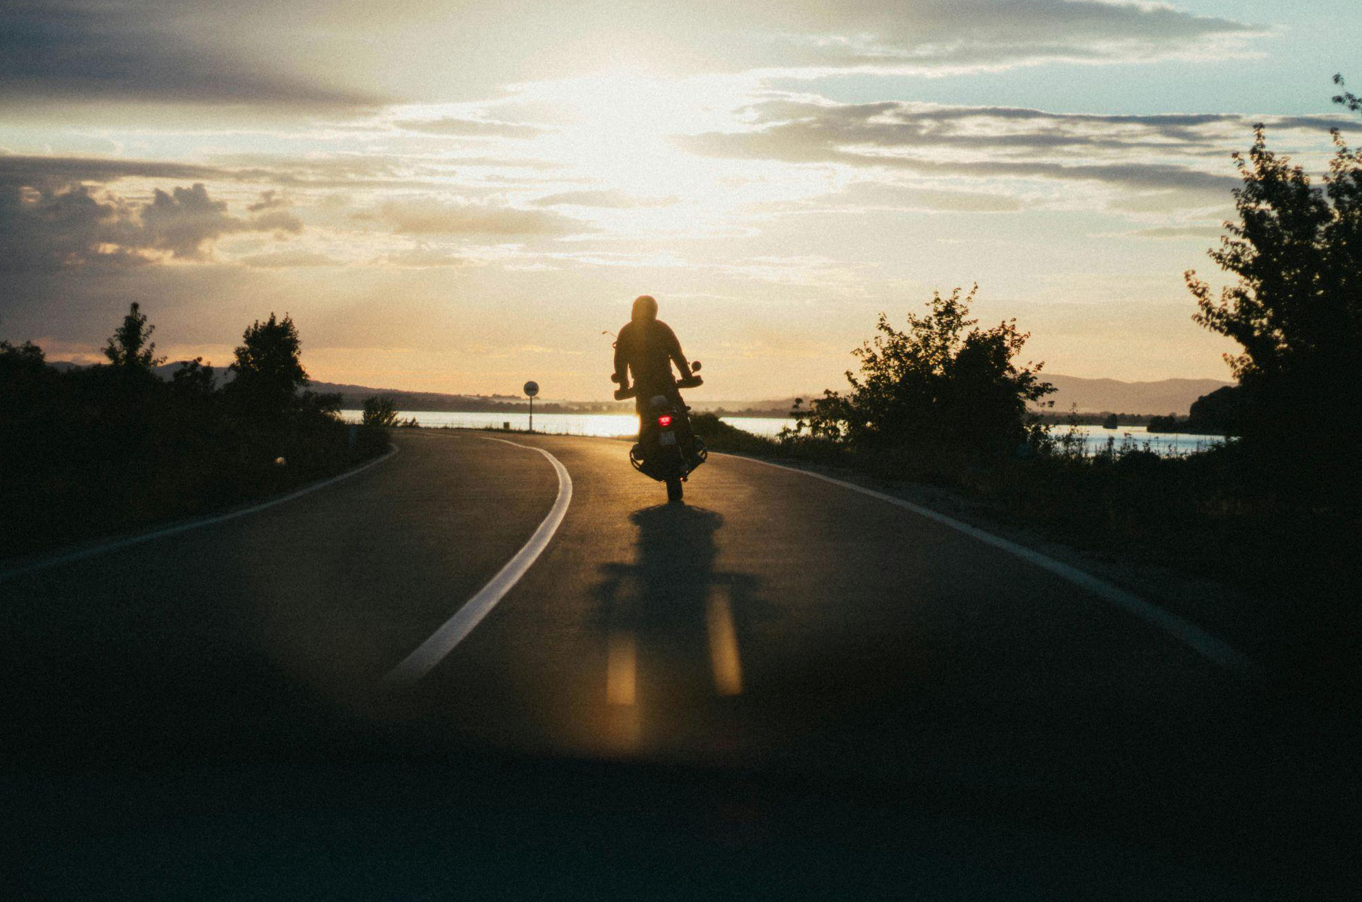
621, 133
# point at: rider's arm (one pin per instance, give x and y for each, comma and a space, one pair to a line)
675, 353
621, 361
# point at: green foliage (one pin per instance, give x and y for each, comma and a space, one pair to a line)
1296, 307
942, 389
379, 410
130, 347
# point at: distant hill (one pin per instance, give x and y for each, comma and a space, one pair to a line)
1112, 396
1090, 396
352, 397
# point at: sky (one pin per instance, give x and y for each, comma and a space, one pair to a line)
459, 197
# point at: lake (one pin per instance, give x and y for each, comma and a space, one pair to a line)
604, 424
616, 424
1165, 444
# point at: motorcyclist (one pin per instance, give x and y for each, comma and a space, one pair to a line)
645, 349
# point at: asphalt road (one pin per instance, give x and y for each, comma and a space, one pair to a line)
778, 650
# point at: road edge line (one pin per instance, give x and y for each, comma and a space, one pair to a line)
1191, 635
454, 630
138, 539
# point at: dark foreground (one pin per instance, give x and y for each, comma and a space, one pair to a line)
782, 689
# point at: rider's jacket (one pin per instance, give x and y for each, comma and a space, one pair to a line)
648, 348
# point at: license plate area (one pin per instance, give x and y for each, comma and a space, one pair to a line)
667, 438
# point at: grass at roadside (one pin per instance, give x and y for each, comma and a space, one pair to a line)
75, 501
1204, 515
94, 450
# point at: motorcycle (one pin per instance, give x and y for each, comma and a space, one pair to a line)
664, 433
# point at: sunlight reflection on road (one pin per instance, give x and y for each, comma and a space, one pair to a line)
723, 646
621, 668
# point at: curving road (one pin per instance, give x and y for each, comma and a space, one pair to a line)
778, 630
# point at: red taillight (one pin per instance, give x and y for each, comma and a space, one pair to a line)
664, 420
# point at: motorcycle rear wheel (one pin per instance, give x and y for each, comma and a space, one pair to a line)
674, 489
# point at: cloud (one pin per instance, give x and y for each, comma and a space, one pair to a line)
1194, 231
795, 125
423, 257
889, 196
186, 219
49, 171
287, 259
609, 198
434, 217
1144, 153
92, 50
45, 227
334, 54
471, 128
966, 35
50, 228
342, 170
269, 200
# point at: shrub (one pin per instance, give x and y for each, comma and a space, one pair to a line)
942, 393
379, 410
113, 447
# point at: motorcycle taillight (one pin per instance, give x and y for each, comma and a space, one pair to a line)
664, 420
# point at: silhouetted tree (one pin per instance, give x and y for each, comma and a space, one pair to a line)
1220, 411
193, 378
941, 387
268, 371
379, 410
24, 376
1296, 309
130, 347
26, 355
1111, 422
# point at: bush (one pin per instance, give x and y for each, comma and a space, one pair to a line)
941, 395
380, 411
113, 447
720, 436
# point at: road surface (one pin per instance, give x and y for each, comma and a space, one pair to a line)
776, 641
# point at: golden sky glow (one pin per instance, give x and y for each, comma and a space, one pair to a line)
458, 197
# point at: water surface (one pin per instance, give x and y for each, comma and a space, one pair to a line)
613, 425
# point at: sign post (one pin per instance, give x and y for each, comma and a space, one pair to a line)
532, 389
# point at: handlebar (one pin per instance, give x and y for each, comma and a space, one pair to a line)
694, 381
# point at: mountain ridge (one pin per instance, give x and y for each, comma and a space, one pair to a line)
1082, 394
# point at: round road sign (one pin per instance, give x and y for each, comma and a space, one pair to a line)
531, 388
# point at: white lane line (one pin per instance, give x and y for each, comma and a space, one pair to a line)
1200, 641
84, 553
456, 628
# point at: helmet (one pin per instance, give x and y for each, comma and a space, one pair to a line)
645, 308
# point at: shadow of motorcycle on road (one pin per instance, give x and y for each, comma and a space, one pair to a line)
673, 624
